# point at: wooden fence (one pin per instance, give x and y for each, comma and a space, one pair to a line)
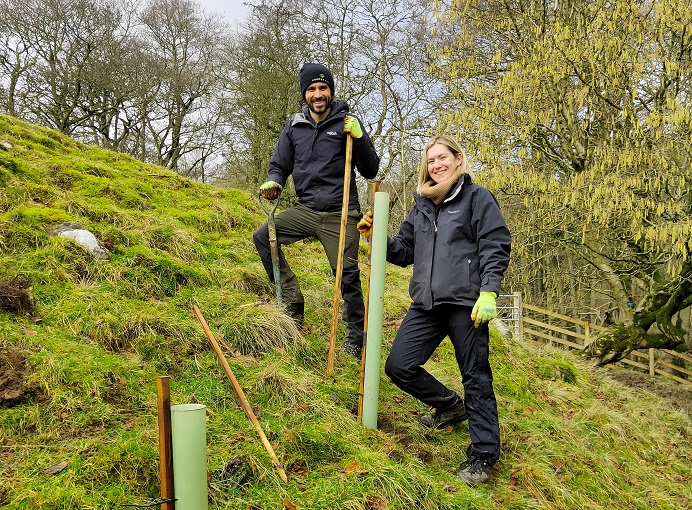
539, 326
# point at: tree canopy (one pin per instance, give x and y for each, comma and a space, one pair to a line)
578, 115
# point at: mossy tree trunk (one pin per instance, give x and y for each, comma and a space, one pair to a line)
657, 324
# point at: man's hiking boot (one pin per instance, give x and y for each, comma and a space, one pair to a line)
353, 349
442, 418
353, 342
474, 471
296, 312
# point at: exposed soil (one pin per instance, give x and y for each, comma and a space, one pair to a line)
678, 395
14, 389
385, 424
14, 295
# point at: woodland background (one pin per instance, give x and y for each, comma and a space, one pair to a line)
576, 114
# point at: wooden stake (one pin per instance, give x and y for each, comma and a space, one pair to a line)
241, 396
163, 390
340, 258
375, 187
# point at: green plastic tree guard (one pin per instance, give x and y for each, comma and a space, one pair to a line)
373, 347
189, 442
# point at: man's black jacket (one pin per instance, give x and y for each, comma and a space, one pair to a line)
315, 154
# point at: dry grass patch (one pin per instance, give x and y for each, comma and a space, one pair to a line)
258, 329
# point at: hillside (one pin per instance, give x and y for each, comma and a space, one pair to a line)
82, 344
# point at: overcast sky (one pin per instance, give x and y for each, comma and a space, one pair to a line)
232, 10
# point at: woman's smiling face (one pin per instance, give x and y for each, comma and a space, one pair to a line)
441, 162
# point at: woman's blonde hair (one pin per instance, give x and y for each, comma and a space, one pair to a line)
451, 143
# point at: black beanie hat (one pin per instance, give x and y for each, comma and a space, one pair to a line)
310, 73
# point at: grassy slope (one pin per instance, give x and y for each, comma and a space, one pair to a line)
572, 437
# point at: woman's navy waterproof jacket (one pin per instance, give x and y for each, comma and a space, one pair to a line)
457, 249
316, 156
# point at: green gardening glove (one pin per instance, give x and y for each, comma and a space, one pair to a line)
351, 125
270, 190
484, 309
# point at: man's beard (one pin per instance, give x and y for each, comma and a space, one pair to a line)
321, 110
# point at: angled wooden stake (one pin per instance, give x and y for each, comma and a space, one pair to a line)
240, 394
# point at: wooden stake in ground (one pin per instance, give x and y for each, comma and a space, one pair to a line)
340, 258
241, 396
163, 390
375, 187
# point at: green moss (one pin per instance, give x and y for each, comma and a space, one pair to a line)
8, 166
316, 445
36, 216
561, 369
155, 275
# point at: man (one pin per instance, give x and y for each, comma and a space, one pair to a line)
311, 147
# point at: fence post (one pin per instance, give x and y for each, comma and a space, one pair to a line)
587, 334
520, 314
652, 368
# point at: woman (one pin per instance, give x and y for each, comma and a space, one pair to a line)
457, 240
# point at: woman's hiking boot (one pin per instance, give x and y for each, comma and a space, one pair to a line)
442, 418
474, 471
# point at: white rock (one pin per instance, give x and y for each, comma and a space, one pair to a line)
84, 238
